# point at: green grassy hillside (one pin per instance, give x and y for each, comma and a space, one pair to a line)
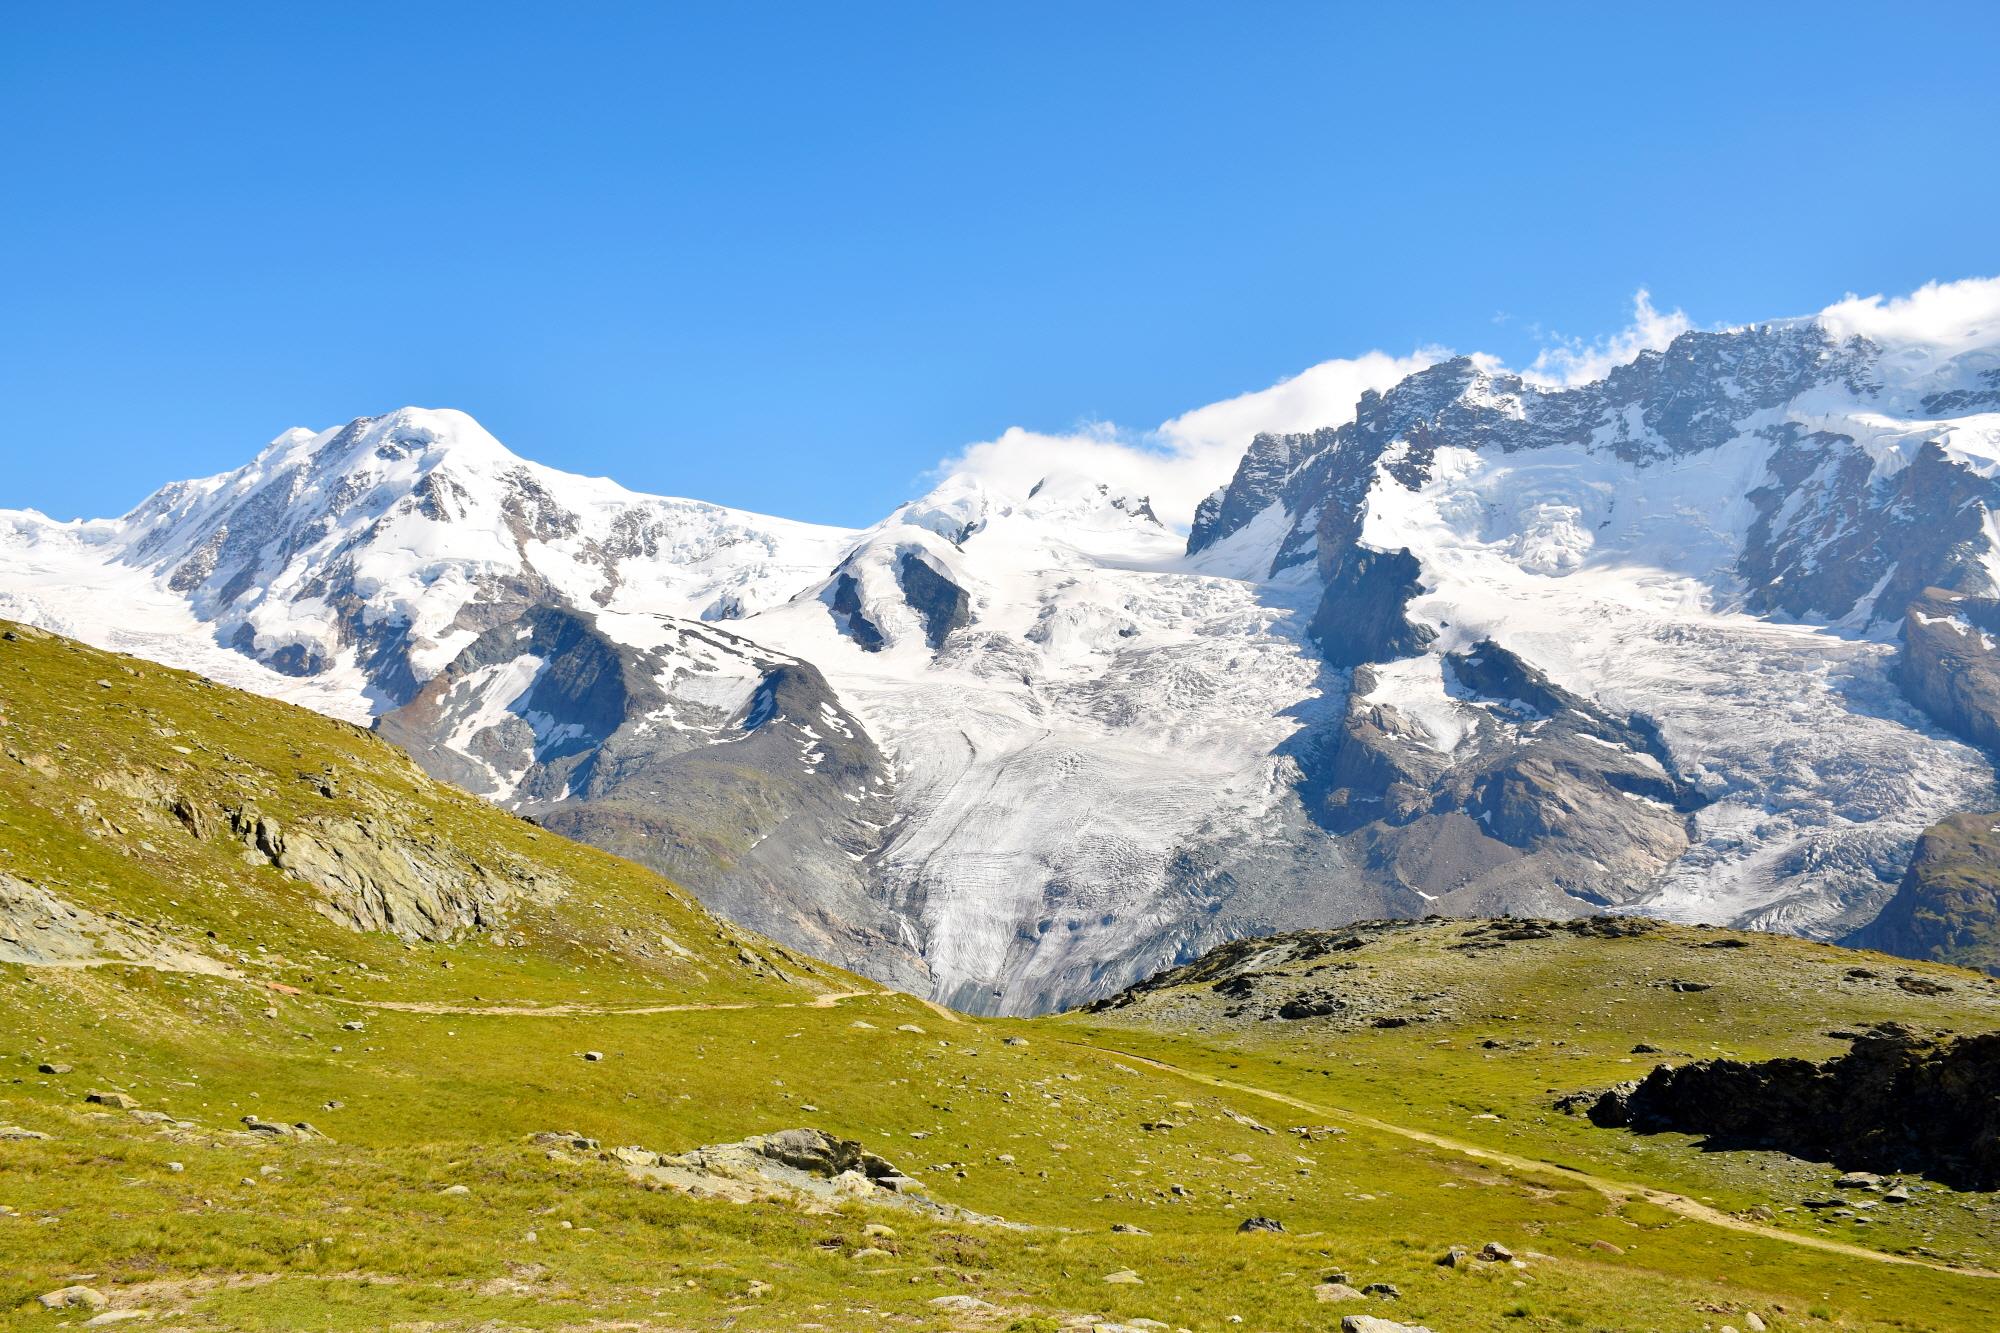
194, 962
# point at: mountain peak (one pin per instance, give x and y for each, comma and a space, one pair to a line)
429, 435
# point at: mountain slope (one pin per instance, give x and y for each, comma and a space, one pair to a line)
231, 1103
1736, 520
1483, 644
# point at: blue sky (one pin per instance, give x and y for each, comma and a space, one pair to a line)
789, 257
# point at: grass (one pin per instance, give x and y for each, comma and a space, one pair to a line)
354, 1232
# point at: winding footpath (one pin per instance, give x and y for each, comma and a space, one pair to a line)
1618, 1190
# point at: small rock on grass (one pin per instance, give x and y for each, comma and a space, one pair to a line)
963, 1304
1124, 1277
1335, 1292
16, 1134
1251, 1225
1368, 1323
73, 1298
455, 1191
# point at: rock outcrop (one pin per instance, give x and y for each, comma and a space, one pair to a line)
1898, 1101
806, 1167
1950, 662
41, 929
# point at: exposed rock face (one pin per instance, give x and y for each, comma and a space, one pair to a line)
1950, 664
39, 928
1831, 535
1363, 615
1897, 1102
1260, 479
732, 770
374, 871
1947, 908
1548, 802
844, 600
941, 604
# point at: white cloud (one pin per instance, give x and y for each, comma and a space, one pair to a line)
1570, 361
1948, 317
1321, 395
1184, 459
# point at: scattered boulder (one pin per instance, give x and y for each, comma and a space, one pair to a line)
1388, 1291
1334, 1293
804, 1166
1494, 1252
73, 1298
51, 1067
16, 1134
117, 1101
592, 1057
1455, 1257
1257, 1224
960, 1304
1368, 1323
1124, 1277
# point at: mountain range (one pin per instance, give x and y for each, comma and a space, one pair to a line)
1709, 635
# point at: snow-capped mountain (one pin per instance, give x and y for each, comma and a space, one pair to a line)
1481, 643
